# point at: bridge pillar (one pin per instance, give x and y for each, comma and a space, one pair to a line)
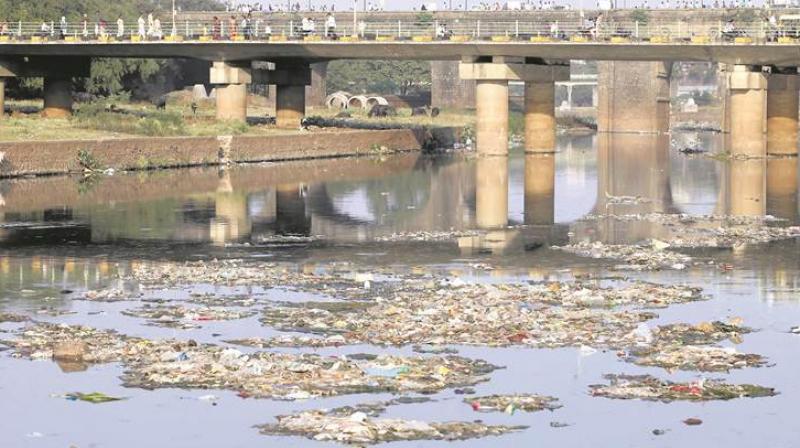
540, 177
290, 79
633, 96
57, 97
231, 91
491, 128
316, 92
782, 107
2, 98
748, 111
290, 106
540, 108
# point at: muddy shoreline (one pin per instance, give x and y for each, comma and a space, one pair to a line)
39, 158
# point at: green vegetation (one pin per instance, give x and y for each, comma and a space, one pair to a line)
384, 77
154, 124
108, 76
639, 15
87, 160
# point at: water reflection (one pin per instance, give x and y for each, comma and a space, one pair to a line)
361, 200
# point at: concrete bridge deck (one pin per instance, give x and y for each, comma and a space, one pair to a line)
744, 54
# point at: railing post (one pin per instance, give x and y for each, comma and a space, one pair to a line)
291, 28
478, 33
187, 29
516, 29
19, 29
399, 29
636, 29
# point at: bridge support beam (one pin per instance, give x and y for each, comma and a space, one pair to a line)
231, 91
2, 98
290, 106
57, 97
748, 111
633, 96
782, 108
491, 128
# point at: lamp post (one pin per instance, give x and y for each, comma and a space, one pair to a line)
355, 17
174, 28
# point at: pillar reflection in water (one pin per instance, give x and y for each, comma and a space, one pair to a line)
540, 176
782, 188
633, 177
491, 197
747, 187
290, 205
231, 215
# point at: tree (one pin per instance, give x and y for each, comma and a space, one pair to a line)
385, 77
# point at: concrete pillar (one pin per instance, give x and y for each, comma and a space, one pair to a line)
633, 96
232, 220
491, 195
2, 98
747, 187
540, 117
782, 188
290, 105
448, 91
57, 98
748, 112
317, 91
232, 102
540, 178
491, 127
782, 107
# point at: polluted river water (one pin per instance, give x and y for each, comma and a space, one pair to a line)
616, 293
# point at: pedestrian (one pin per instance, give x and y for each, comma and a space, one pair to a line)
330, 26
85, 26
232, 27
216, 28
120, 28
142, 30
63, 27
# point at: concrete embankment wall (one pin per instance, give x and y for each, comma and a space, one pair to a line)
59, 157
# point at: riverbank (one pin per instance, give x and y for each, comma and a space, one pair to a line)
69, 156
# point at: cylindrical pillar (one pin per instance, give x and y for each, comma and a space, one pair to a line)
747, 187
748, 112
232, 102
491, 196
290, 105
540, 117
540, 183
491, 128
782, 188
782, 107
57, 98
2, 98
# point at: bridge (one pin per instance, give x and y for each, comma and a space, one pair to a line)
760, 59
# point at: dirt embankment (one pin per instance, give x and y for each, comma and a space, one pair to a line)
58, 157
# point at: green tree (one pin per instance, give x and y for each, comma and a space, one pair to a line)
385, 77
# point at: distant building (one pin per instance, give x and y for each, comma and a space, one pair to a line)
784, 3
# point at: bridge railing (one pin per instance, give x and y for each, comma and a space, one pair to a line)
456, 30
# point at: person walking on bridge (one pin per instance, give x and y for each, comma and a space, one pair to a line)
120, 28
232, 27
330, 26
142, 30
63, 27
85, 26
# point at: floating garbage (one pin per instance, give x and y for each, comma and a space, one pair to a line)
360, 428
638, 257
11, 317
511, 403
175, 316
704, 359
646, 387
93, 397
152, 364
429, 236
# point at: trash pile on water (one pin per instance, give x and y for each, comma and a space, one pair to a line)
538, 315
511, 403
344, 425
428, 236
11, 317
152, 364
176, 316
686, 232
646, 387
704, 359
